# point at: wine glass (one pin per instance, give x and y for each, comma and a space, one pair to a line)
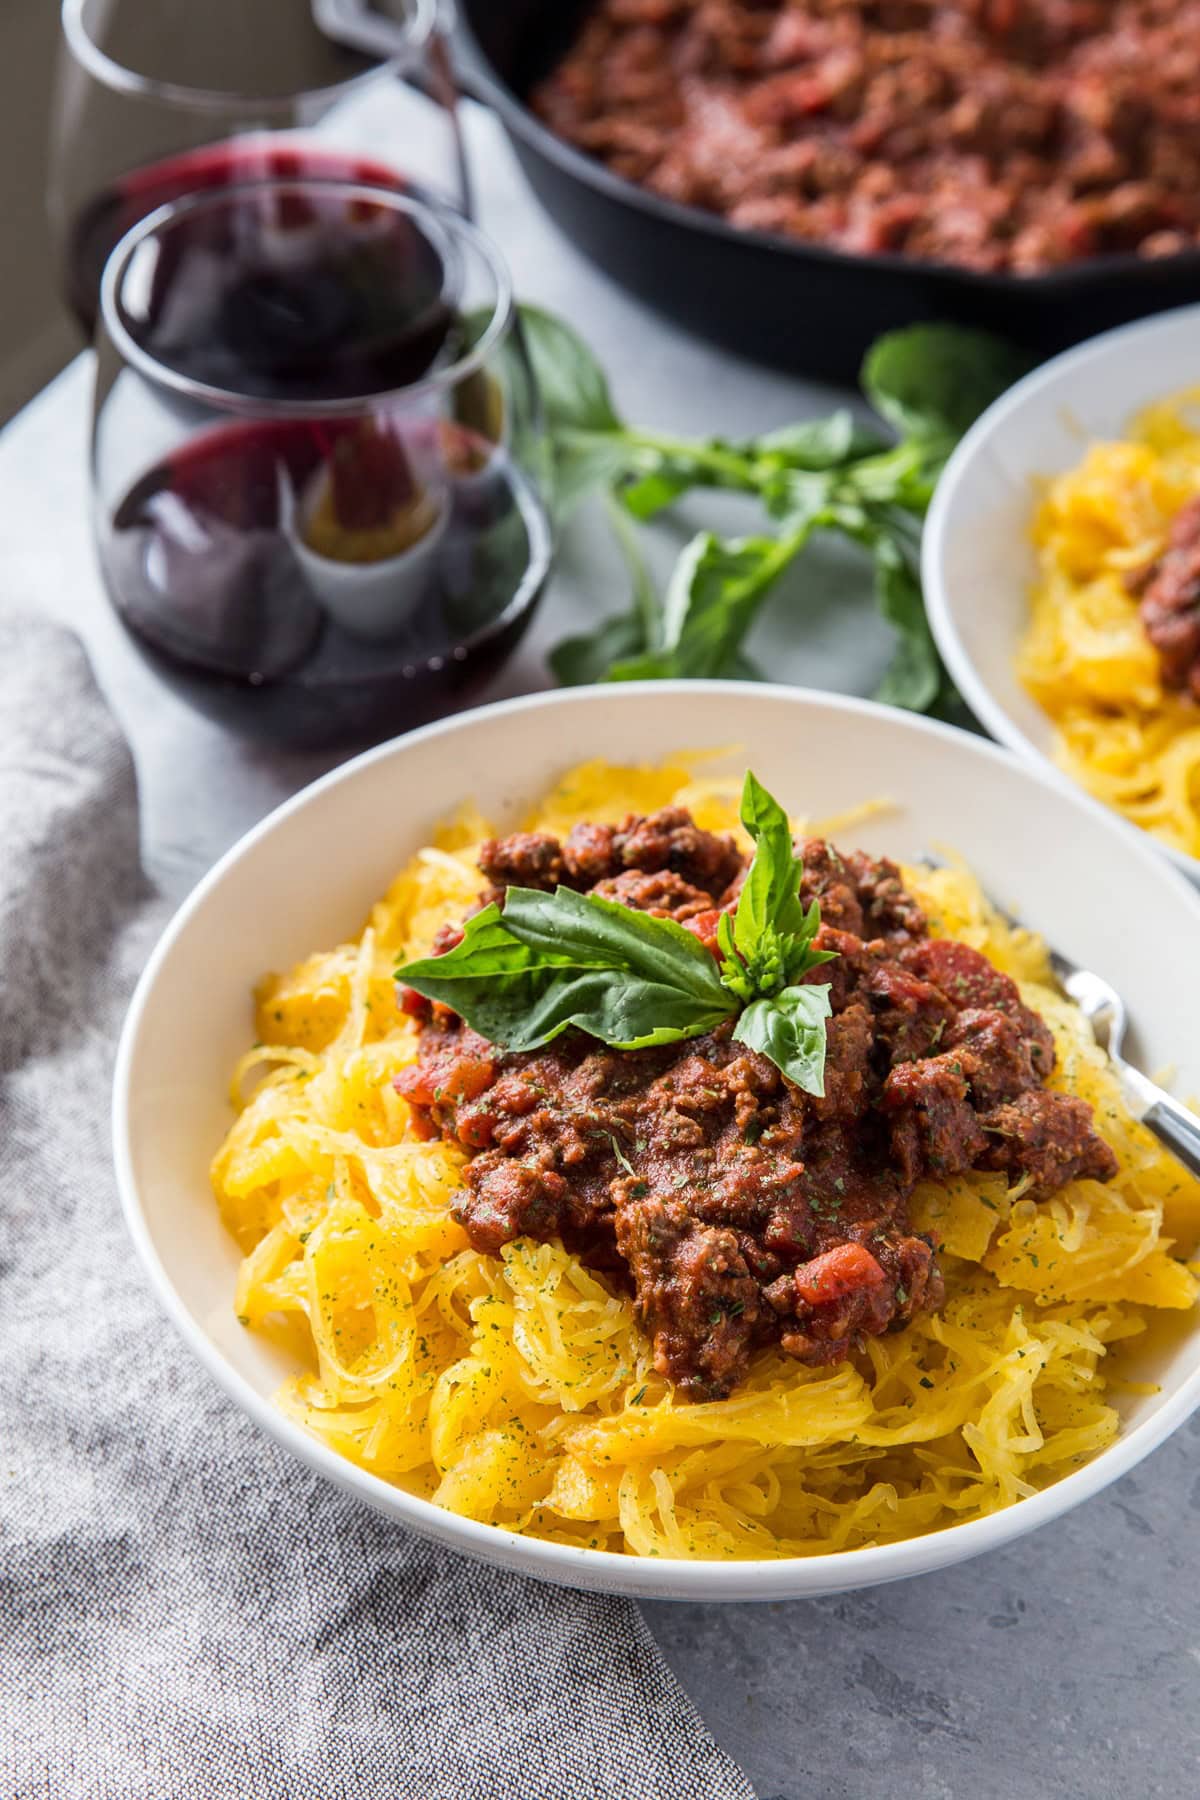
161, 100
317, 460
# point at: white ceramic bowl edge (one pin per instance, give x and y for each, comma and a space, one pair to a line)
1028, 839
977, 561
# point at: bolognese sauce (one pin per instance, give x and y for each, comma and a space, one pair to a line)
1011, 135
740, 1210
1169, 591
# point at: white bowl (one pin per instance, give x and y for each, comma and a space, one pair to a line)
307, 876
977, 563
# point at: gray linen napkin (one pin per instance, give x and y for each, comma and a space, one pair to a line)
184, 1610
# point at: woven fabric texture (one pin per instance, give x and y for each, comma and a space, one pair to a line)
185, 1612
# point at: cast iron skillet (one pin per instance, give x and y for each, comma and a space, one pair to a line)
792, 305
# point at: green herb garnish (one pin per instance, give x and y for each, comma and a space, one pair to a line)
832, 475
619, 1153
546, 962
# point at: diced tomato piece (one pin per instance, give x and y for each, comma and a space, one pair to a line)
422, 1126
414, 1084
704, 926
837, 1272
450, 1078
470, 1077
475, 1129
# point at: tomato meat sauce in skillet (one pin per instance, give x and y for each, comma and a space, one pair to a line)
997, 135
741, 1210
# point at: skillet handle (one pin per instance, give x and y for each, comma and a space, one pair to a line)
362, 27
440, 75
468, 66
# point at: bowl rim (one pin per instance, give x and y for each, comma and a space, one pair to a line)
439, 224
567, 1565
939, 523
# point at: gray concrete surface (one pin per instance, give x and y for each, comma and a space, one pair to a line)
1067, 1666
1064, 1668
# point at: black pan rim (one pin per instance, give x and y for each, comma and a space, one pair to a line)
483, 81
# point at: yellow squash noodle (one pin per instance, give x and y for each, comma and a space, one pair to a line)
520, 1391
1085, 657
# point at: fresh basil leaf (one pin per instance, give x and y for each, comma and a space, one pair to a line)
790, 1031
894, 486
788, 470
490, 978
932, 381
799, 956
573, 387
670, 467
599, 933
651, 665
646, 606
772, 929
625, 1011
659, 665
660, 488
712, 598
583, 463
770, 896
799, 497
550, 961
587, 440
740, 667
733, 970
777, 961
914, 676
578, 661
817, 444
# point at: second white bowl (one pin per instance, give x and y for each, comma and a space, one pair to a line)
978, 562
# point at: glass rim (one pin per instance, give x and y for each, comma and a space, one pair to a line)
118, 78
442, 222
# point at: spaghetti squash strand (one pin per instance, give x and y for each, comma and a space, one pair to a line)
1085, 657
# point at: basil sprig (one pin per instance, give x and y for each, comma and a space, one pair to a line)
814, 478
546, 962
768, 946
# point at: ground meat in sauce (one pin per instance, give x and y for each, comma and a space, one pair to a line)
993, 134
1170, 601
741, 1211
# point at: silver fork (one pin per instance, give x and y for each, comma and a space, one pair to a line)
1177, 1129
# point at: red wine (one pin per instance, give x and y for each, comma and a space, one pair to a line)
208, 566
104, 221
302, 534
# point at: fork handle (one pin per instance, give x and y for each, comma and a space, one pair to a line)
1175, 1127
